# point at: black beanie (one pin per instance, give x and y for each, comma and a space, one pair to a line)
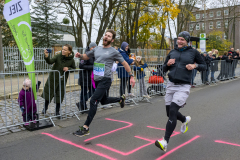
185, 35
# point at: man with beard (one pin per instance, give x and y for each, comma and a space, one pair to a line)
180, 62
105, 56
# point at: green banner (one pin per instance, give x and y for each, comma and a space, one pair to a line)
17, 14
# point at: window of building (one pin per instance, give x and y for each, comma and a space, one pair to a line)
211, 14
197, 16
210, 25
226, 23
191, 27
203, 16
225, 36
218, 24
218, 13
203, 26
198, 26
225, 12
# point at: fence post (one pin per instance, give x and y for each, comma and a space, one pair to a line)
1, 52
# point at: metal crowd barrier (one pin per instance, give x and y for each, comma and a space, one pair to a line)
217, 70
12, 84
153, 78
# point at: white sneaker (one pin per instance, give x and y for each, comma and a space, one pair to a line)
184, 126
161, 144
131, 95
146, 96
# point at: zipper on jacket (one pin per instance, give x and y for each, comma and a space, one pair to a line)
178, 64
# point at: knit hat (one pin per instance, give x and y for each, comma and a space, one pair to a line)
139, 57
27, 82
124, 45
92, 44
185, 35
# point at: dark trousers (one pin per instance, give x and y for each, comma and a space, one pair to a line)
123, 83
204, 76
29, 116
100, 95
174, 115
86, 93
46, 106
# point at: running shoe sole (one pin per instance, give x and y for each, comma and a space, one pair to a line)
81, 135
159, 145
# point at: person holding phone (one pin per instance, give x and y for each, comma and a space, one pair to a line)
62, 62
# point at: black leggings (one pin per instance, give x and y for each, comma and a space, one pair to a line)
100, 95
174, 115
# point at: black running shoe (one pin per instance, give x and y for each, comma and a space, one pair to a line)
122, 103
82, 132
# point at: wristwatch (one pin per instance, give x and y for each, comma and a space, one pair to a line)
196, 65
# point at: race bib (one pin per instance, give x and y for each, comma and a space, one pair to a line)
98, 69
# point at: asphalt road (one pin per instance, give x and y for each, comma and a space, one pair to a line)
130, 133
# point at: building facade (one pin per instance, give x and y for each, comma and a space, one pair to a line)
226, 20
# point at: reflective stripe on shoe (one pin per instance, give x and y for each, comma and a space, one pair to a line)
82, 132
161, 144
184, 126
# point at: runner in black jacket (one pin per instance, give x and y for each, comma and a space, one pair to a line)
180, 62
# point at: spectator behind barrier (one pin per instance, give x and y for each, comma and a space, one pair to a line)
139, 68
85, 80
205, 74
62, 62
122, 73
223, 71
214, 64
27, 102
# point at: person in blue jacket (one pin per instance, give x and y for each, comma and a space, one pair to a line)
139, 68
122, 73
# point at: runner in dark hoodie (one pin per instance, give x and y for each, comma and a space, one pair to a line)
180, 62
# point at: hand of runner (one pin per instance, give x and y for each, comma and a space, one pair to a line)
132, 81
77, 54
171, 62
190, 66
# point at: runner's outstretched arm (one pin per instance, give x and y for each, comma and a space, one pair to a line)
82, 56
128, 69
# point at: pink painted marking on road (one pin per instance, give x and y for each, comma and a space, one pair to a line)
233, 144
149, 140
134, 150
160, 129
180, 146
129, 125
124, 153
79, 146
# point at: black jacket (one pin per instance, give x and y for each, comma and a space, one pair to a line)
85, 75
214, 64
207, 60
178, 73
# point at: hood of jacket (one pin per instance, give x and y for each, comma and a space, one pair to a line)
183, 49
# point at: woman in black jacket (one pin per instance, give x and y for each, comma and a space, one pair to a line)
205, 74
84, 80
223, 71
